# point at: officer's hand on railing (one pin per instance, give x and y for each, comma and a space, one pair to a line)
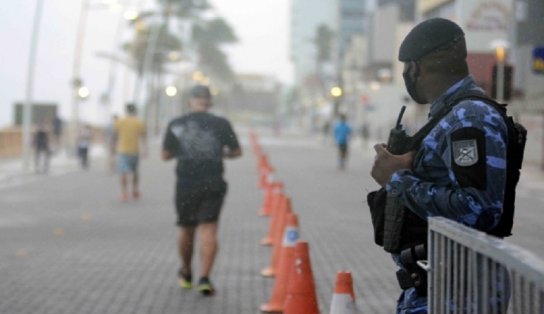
385, 164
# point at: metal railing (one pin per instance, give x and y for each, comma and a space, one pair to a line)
472, 272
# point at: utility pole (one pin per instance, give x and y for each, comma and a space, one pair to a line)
27, 110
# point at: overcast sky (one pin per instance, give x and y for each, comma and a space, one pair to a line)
261, 26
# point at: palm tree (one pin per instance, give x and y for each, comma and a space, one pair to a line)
207, 36
151, 45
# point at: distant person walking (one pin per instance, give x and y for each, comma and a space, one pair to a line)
342, 134
110, 137
84, 140
131, 132
42, 149
57, 133
199, 141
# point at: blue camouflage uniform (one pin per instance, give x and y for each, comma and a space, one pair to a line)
458, 172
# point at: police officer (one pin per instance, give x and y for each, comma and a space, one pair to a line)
457, 170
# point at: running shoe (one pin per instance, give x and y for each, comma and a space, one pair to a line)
205, 287
185, 280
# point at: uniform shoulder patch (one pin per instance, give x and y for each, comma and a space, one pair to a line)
465, 152
468, 157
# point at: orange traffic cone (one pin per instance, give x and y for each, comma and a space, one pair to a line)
271, 193
266, 177
286, 262
343, 299
263, 163
271, 270
278, 205
301, 296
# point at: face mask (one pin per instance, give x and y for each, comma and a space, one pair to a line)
411, 87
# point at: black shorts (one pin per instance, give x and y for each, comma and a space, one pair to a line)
199, 203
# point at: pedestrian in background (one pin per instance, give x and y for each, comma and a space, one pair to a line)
42, 149
131, 141
110, 137
458, 168
199, 141
342, 134
57, 133
84, 140
365, 134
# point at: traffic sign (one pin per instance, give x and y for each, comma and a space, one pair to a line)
538, 60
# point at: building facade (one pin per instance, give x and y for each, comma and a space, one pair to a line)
306, 17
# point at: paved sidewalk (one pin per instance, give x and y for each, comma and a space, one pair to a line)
12, 171
69, 246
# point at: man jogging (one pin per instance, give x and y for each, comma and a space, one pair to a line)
199, 140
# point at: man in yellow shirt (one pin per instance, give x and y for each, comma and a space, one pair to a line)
130, 132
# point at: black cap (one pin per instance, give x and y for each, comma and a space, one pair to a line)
427, 37
201, 91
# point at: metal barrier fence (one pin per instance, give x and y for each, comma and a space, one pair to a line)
471, 272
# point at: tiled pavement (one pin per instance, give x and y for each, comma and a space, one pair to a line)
68, 246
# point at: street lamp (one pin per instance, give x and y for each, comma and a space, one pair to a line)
131, 15
336, 91
86, 5
27, 114
500, 47
171, 91
83, 92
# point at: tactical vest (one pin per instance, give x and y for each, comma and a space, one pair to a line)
397, 228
